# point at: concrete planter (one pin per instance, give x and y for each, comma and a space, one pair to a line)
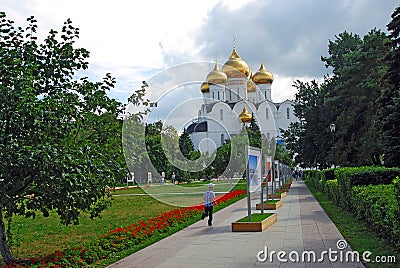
254, 226
270, 206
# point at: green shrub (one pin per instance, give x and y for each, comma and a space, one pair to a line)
376, 205
312, 178
332, 190
309, 175
374, 175
370, 193
324, 176
349, 177
318, 178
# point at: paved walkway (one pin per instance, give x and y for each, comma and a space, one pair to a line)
302, 228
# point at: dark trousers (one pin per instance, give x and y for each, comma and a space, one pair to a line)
208, 212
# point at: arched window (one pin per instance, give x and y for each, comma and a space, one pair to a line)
222, 138
288, 113
267, 113
221, 114
218, 95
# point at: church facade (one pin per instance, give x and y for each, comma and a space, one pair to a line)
232, 95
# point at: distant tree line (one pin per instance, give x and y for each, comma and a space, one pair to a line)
220, 165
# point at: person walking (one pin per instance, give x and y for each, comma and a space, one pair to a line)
209, 197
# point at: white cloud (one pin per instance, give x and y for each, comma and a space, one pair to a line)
282, 87
134, 40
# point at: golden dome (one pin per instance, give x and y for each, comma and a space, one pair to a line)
262, 76
235, 67
216, 76
245, 116
251, 87
205, 87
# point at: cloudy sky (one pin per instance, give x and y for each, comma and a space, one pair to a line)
136, 40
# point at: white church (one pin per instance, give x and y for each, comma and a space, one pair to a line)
231, 96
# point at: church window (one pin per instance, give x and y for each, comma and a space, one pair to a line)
221, 114
266, 113
287, 113
265, 93
230, 95
268, 135
222, 138
213, 95
218, 95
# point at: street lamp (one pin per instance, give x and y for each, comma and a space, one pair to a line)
333, 129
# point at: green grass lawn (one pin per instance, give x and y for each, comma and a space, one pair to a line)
271, 201
41, 236
256, 217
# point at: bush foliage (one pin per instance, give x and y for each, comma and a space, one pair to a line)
376, 204
370, 193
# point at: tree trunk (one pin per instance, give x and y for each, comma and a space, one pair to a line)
4, 249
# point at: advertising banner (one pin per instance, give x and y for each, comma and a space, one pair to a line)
254, 168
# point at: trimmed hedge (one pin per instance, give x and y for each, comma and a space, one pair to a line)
332, 190
370, 193
349, 177
312, 177
309, 175
377, 205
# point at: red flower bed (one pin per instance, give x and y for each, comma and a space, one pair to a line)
121, 238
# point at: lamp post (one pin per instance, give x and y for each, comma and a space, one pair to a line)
333, 129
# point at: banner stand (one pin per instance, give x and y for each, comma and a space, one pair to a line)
253, 174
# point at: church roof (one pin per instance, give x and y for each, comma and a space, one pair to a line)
197, 127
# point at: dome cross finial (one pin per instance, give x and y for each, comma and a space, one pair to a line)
234, 41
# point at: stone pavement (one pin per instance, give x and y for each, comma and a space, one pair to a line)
302, 229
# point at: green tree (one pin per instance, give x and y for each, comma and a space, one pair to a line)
254, 133
308, 138
186, 145
60, 137
133, 135
155, 151
283, 155
357, 83
345, 43
222, 157
389, 112
293, 139
349, 99
163, 152
154, 128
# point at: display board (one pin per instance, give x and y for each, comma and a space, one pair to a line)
254, 169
